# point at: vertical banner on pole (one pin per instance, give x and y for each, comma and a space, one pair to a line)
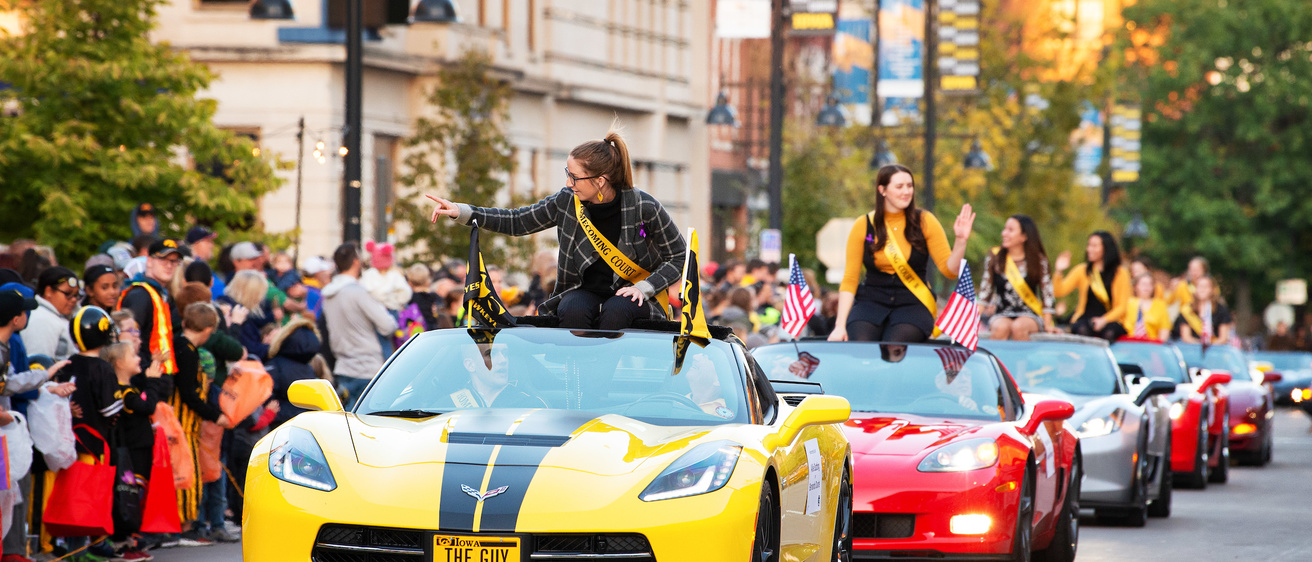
854, 56
901, 59
958, 46
1127, 128
1087, 140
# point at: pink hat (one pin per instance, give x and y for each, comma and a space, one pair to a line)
380, 255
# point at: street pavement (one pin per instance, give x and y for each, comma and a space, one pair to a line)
1261, 514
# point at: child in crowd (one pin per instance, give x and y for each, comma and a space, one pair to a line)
132, 430
188, 400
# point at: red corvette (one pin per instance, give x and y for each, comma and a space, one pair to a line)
1199, 433
951, 463
1252, 403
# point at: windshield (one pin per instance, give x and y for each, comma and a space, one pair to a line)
1217, 358
1286, 361
896, 378
629, 374
1157, 361
1079, 369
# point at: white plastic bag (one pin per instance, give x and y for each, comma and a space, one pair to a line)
51, 428
20, 448
8, 499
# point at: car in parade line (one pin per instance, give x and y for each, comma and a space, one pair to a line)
1252, 402
951, 463
1295, 368
541, 443
1199, 421
1124, 428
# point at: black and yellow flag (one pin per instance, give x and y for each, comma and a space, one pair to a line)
690, 295
483, 307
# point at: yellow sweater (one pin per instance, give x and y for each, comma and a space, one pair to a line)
1119, 292
1158, 318
895, 223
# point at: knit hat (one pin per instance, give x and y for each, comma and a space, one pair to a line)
380, 255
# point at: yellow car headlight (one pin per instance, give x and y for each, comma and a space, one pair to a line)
967, 455
295, 457
704, 469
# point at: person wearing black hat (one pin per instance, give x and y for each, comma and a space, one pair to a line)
148, 299
58, 291
144, 221
101, 285
16, 379
201, 241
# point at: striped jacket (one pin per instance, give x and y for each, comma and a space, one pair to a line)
648, 236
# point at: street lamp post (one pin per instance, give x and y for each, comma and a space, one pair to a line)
931, 111
354, 120
776, 169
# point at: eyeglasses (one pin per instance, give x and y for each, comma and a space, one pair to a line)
69, 294
575, 179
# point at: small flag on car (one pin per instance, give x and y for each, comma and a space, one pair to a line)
693, 323
482, 304
799, 305
960, 320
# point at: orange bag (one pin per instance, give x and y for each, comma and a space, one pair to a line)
247, 387
211, 444
184, 465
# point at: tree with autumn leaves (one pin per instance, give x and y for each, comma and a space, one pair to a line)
97, 119
1227, 137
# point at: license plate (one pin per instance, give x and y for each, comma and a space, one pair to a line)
473, 548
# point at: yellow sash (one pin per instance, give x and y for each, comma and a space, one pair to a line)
1191, 317
1096, 285
618, 262
1022, 288
909, 277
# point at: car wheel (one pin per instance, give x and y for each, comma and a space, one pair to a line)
1022, 540
1221, 474
842, 551
1066, 536
1197, 478
765, 548
1161, 507
1270, 446
1137, 516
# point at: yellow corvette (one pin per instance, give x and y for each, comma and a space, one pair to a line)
526, 443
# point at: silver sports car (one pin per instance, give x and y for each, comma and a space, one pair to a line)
1123, 420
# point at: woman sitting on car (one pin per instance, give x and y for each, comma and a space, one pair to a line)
1103, 285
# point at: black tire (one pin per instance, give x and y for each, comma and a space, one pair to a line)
1197, 478
1221, 474
1137, 514
1066, 537
1022, 540
842, 550
1161, 507
765, 547
1269, 451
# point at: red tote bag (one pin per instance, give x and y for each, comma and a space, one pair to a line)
160, 514
81, 502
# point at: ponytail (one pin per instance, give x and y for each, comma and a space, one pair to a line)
607, 157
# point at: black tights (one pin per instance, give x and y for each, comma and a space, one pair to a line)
860, 330
1111, 332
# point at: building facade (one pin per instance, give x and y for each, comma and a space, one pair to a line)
576, 67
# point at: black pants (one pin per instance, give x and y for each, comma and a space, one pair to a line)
585, 310
1111, 332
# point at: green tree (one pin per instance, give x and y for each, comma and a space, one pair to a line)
1227, 168
462, 153
99, 119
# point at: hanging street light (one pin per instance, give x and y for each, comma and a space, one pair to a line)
883, 156
271, 10
977, 159
1137, 228
831, 115
436, 11
722, 113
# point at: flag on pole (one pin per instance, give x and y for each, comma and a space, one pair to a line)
799, 305
960, 320
483, 307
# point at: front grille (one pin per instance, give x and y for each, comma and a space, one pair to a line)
351, 543
592, 547
883, 525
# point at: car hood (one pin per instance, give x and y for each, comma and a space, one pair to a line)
1085, 406
902, 434
603, 445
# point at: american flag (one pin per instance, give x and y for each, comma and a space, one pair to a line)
798, 305
953, 358
960, 320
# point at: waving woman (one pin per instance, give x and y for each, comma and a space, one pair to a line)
894, 244
1103, 285
619, 249
1016, 287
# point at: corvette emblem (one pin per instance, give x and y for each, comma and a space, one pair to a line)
473, 492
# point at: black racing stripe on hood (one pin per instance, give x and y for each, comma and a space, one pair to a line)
466, 464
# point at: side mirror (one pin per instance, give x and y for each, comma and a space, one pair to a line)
1272, 378
317, 394
1047, 410
1214, 379
1155, 387
814, 410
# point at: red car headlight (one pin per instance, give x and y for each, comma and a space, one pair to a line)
972, 454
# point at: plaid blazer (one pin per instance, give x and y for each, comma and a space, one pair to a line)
648, 237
